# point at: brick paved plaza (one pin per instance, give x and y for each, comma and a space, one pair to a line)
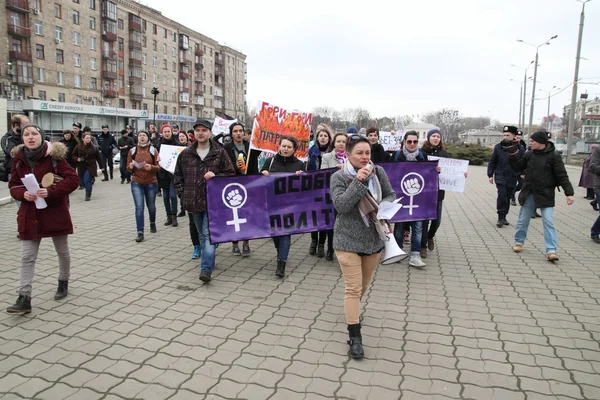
481, 322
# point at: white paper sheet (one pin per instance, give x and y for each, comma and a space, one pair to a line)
32, 186
387, 210
139, 165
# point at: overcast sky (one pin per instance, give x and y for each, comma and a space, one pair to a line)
403, 57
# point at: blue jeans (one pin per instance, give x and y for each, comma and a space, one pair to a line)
282, 244
87, 181
596, 226
430, 227
208, 250
170, 199
140, 193
416, 228
527, 211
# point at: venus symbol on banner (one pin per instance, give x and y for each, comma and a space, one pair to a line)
234, 197
412, 184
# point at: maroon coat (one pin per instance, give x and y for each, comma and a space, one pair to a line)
92, 159
586, 180
190, 184
54, 220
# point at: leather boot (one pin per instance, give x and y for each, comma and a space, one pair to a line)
181, 214
88, 195
321, 251
174, 221
62, 291
153, 228
22, 306
329, 255
139, 238
356, 349
313, 248
169, 220
280, 268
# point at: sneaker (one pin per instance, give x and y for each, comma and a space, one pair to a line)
196, 253
430, 244
246, 250
205, 277
235, 251
517, 248
415, 261
596, 239
552, 257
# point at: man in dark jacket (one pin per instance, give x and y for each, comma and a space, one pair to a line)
238, 151
11, 140
125, 143
595, 170
202, 161
500, 173
107, 143
543, 171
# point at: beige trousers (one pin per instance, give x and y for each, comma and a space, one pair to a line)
357, 272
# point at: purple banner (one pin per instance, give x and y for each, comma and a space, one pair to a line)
252, 207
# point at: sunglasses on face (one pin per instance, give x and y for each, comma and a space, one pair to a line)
356, 138
412, 141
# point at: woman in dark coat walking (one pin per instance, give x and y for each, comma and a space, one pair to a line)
283, 162
88, 159
37, 157
70, 141
586, 180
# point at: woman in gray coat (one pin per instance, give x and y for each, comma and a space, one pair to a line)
357, 189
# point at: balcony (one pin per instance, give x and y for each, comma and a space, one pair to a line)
184, 89
109, 36
135, 80
197, 78
21, 80
199, 66
199, 52
134, 44
111, 94
20, 55
199, 93
109, 55
136, 96
183, 60
219, 60
134, 61
219, 71
184, 75
109, 74
135, 23
18, 5
17, 30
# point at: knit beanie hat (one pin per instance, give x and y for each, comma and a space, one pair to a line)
352, 129
540, 137
432, 131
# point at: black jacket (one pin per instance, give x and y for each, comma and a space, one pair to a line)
70, 145
436, 152
499, 167
106, 142
280, 164
233, 153
544, 171
125, 141
378, 154
13, 140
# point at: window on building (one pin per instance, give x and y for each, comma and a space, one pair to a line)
144, 58
164, 64
76, 17
38, 28
144, 75
165, 95
145, 105
59, 33
144, 41
61, 97
78, 99
154, 45
109, 10
92, 43
174, 82
57, 10
77, 81
174, 52
76, 37
93, 4
154, 61
42, 94
60, 78
94, 83
165, 33
154, 78
165, 109
120, 23
121, 81
39, 51
77, 59
174, 66
93, 64
41, 74
155, 30
164, 48
37, 5
60, 56
121, 44
164, 81
121, 63
174, 109
93, 23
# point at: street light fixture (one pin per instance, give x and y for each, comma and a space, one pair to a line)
524, 93
548, 122
155, 93
575, 79
537, 48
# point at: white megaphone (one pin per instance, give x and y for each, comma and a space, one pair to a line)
392, 253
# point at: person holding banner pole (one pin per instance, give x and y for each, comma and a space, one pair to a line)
202, 161
165, 178
283, 162
321, 147
357, 189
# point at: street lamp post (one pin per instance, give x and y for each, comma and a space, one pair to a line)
575, 79
155, 93
537, 48
524, 93
548, 122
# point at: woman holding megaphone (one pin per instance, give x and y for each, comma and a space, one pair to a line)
359, 237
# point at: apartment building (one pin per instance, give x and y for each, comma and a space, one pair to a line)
97, 61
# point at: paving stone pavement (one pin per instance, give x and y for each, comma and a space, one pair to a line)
480, 322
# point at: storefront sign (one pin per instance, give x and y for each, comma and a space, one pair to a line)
71, 108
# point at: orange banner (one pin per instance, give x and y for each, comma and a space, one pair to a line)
273, 122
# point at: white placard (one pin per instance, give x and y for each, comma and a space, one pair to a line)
391, 141
221, 125
452, 174
167, 157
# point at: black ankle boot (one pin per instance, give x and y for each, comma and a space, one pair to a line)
88, 195
140, 237
355, 342
169, 220
280, 268
22, 306
329, 255
313, 248
62, 291
181, 214
174, 222
321, 251
153, 228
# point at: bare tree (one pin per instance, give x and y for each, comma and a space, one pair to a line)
447, 120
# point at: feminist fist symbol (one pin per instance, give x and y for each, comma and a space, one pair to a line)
234, 198
412, 186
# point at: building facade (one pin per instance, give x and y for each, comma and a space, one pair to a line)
109, 55
483, 137
587, 118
